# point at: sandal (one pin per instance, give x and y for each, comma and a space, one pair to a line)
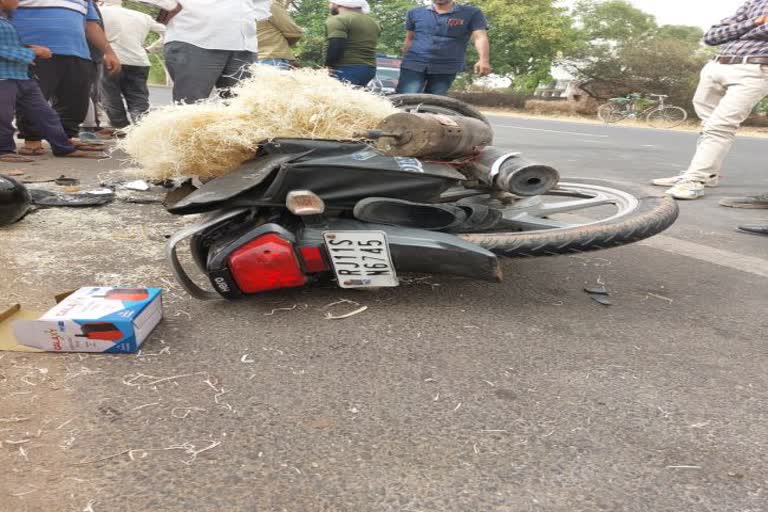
81, 146
78, 153
31, 151
13, 158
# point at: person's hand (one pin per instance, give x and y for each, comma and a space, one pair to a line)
483, 68
762, 20
166, 16
41, 52
112, 63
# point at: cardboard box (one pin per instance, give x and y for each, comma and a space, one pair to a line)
113, 320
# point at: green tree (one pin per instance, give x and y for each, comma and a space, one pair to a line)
526, 37
613, 21
624, 51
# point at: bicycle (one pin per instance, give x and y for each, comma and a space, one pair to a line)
659, 115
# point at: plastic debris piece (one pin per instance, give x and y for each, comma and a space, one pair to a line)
140, 185
47, 198
597, 290
64, 181
602, 299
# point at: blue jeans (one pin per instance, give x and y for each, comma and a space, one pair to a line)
25, 98
415, 82
278, 63
356, 74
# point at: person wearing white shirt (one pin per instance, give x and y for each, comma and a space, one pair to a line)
125, 95
210, 43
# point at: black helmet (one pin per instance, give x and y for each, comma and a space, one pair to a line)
14, 200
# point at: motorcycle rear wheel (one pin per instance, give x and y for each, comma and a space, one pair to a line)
433, 104
641, 213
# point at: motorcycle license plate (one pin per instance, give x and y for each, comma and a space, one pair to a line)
361, 259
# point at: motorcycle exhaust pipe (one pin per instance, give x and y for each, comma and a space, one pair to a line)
431, 136
511, 173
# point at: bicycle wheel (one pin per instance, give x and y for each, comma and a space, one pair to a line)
667, 117
610, 113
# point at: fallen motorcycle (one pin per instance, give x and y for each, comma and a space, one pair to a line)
425, 193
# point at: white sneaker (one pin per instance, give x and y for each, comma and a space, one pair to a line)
712, 181
687, 189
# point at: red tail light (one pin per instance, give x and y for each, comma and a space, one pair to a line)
266, 263
314, 261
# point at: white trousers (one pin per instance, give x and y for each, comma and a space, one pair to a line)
725, 98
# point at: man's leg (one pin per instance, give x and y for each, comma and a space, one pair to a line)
748, 84
135, 90
236, 69
439, 83
194, 70
708, 95
113, 99
34, 107
8, 91
49, 73
411, 82
73, 93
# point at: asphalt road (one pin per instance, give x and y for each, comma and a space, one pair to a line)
445, 395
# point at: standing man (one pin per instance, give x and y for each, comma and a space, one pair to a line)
436, 40
127, 31
352, 40
210, 43
277, 36
731, 86
66, 27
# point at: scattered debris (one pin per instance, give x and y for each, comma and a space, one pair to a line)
597, 290
457, 407
130, 380
15, 172
139, 185
82, 199
272, 313
187, 411
602, 299
683, 467
660, 297
64, 181
329, 316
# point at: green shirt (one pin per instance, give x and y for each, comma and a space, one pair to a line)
362, 35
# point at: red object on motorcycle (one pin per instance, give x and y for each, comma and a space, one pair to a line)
266, 263
314, 261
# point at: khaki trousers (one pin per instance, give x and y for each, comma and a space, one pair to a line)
726, 96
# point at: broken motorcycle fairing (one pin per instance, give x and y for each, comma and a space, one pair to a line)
341, 173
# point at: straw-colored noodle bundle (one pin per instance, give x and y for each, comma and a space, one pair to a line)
214, 137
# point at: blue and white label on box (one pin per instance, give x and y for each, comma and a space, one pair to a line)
113, 320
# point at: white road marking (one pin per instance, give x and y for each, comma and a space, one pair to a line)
723, 258
549, 131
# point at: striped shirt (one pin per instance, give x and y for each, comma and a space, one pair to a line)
14, 57
740, 35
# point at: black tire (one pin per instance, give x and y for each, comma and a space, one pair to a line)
654, 213
443, 103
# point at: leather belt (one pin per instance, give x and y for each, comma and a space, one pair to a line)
742, 60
